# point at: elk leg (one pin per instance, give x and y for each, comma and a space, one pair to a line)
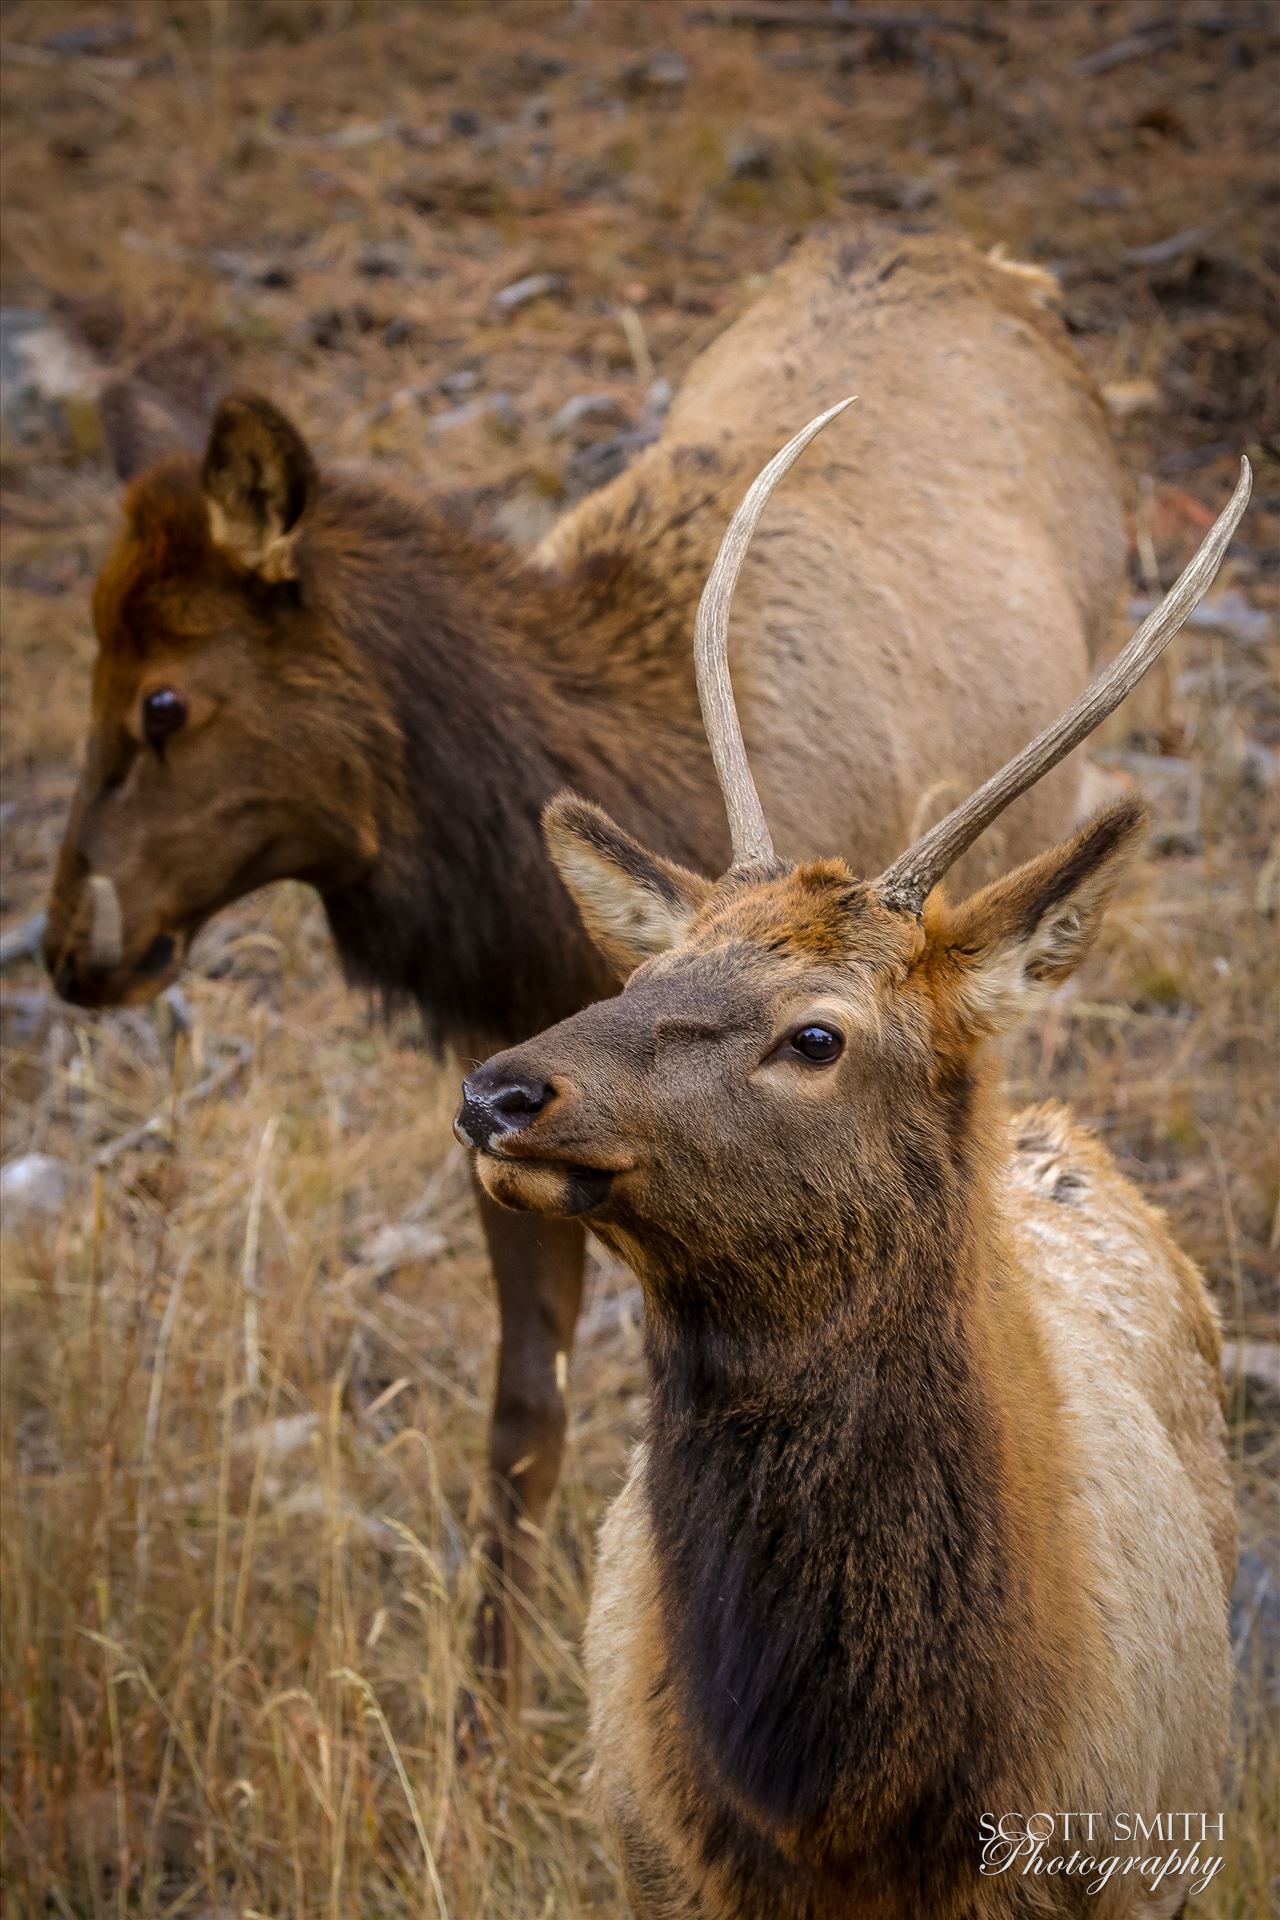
538, 1266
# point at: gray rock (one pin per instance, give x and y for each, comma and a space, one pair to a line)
1255, 1621
22, 942
34, 1189
41, 369
534, 286
499, 406
400, 1244
1255, 1364
587, 410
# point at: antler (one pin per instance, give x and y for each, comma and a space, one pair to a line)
906, 884
747, 825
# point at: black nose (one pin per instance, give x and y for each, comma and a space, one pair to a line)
497, 1101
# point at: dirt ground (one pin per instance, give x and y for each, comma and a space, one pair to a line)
247, 1342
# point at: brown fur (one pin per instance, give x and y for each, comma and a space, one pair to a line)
380, 701
932, 1517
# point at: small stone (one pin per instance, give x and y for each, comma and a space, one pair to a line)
534, 286
454, 385
1255, 1364
95, 38
465, 123
750, 160
405, 1243
665, 71
497, 406
34, 1189
587, 410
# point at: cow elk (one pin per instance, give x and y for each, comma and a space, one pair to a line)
932, 1518
311, 675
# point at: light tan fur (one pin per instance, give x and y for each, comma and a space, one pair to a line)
948, 561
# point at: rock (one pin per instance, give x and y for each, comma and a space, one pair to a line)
277, 1439
664, 71
1255, 1622
454, 385
34, 1189
498, 406
751, 160
96, 37
22, 942
587, 410
465, 123
46, 377
657, 402
534, 286
1254, 1365
400, 1244
592, 466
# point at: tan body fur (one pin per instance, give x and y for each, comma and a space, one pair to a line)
905, 579
1104, 1329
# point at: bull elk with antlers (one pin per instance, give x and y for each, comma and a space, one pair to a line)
932, 1519
307, 674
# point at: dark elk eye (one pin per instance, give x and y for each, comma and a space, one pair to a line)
821, 1045
163, 712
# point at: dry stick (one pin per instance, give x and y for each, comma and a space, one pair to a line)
789, 18
212, 1083
748, 827
906, 884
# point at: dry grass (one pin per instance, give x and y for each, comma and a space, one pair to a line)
238, 1455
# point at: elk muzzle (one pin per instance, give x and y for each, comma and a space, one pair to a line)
86, 950
532, 1153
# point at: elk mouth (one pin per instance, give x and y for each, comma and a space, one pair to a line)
531, 1180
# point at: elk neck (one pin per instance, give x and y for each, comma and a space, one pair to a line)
500, 683
870, 1595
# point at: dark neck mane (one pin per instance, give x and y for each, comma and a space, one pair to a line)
504, 685
851, 1643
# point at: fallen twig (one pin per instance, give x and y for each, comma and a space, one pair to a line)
160, 1123
780, 16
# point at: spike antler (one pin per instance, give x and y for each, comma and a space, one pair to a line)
906, 884
747, 825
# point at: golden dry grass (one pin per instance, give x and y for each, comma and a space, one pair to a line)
239, 1458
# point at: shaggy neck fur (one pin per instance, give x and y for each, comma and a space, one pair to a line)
855, 1556
503, 684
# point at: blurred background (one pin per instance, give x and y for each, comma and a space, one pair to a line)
247, 1338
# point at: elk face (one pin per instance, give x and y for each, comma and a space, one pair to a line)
791, 1068
223, 747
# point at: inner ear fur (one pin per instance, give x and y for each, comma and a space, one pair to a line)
258, 478
1006, 947
633, 903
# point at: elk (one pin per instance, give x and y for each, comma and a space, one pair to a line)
327, 677
932, 1521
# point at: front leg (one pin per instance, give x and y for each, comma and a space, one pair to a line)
538, 1266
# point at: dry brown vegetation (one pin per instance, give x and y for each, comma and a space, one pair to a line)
240, 1431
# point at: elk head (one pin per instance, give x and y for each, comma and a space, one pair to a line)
227, 746
794, 1065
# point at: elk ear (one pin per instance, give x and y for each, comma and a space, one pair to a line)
258, 479
633, 904
1023, 935
142, 426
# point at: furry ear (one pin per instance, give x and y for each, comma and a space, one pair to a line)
633, 904
142, 426
258, 477
1023, 935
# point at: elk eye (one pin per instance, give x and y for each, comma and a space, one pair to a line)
821, 1045
163, 713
